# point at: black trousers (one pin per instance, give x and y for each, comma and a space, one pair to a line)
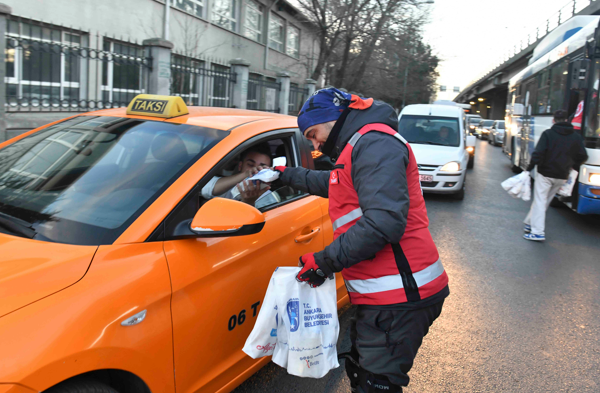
386, 341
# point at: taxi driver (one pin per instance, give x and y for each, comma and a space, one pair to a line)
235, 186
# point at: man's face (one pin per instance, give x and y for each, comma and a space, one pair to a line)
318, 134
444, 132
254, 159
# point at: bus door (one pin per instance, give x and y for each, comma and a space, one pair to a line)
577, 93
527, 132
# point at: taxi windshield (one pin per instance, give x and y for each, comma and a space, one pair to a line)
84, 180
431, 130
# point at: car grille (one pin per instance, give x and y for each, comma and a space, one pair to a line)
427, 168
429, 183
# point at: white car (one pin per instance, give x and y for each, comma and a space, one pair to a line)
441, 145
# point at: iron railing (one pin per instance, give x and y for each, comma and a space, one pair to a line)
263, 95
297, 97
199, 85
54, 69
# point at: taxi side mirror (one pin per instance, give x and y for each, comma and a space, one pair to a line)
220, 217
471, 141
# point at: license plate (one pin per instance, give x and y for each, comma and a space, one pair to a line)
426, 178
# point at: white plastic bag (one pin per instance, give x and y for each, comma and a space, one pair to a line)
567, 188
309, 316
304, 321
518, 186
263, 338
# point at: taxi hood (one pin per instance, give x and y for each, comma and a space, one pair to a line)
33, 269
435, 155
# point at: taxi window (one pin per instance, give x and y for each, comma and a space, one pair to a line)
83, 181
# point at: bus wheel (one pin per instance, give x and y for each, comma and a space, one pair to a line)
555, 202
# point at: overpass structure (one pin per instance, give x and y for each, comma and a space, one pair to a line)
487, 95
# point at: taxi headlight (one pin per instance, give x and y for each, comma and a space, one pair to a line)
451, 167
594, 179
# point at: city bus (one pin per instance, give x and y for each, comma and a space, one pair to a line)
563, 73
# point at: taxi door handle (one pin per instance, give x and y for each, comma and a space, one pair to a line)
309, 237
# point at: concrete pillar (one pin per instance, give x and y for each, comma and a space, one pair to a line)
241, 69
5, 11
159, 75
311, 85
284, 93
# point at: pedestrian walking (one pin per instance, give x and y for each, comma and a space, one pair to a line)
559, 149
382, 245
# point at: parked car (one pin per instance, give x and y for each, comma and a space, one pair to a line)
116, 271
496, 136
483, 129
472, 122
438, 139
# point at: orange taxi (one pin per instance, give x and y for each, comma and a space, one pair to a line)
116, 274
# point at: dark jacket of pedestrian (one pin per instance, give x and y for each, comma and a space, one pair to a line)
559, 149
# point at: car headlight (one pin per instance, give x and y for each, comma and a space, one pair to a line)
451, 167
594, 179
470, 149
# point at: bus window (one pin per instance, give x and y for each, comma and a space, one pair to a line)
543, 92
559, 85
518, 96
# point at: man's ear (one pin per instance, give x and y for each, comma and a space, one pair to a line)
240, 164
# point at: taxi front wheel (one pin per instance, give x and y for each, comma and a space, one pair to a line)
81, 385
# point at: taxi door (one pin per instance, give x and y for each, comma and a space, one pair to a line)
219, 284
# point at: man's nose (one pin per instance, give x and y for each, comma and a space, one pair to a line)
315, 144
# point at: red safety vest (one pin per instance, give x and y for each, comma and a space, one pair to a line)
578, 117
399, 273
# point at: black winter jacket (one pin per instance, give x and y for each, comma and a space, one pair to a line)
559, 149
379, 164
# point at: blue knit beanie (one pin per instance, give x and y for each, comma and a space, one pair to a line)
323, 106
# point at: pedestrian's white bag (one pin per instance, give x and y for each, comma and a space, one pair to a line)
567, 188
518, 186
306, 324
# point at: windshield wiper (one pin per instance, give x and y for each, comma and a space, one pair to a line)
436, 143
17, 226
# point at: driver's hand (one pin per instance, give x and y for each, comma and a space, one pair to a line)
253, 171
251, 192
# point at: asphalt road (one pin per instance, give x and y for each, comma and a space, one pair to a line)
521, 316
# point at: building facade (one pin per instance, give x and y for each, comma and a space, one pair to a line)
65, 56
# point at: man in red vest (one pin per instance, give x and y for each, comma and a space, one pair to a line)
382, 245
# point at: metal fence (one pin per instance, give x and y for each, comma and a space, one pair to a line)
199, 85
54, 69
263, 95
297, 97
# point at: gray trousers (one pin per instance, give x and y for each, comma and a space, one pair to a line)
544, 190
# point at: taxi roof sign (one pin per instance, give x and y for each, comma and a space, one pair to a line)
157, 106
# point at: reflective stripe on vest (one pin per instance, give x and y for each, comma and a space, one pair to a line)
389, 283
346, 218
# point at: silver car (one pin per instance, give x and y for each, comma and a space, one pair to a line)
496, 135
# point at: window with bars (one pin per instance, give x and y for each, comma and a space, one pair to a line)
221, 86
253, 98
186, 79
121, 72
276, 32
224, 13
293, 41
194, 7
42, 64
253, 25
